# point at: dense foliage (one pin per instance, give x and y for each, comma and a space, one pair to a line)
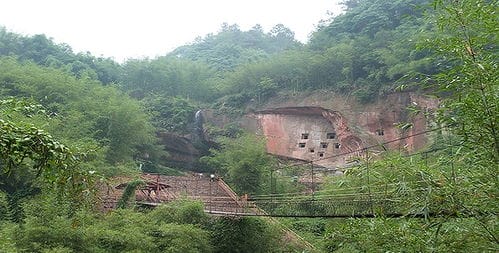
231, 47
451, 188
242, 162
371, 46
45, 52
107, 115
446, 206
363, 51
31, 159
81, 111
177, 227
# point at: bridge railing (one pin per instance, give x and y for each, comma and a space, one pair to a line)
229, 191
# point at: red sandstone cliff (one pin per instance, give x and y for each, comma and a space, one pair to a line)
324, 127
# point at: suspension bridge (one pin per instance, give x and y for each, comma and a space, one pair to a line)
219, 199
370, 200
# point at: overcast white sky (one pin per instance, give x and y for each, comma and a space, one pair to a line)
147, 28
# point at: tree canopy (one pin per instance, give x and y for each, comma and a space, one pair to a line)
81, 110
66, 116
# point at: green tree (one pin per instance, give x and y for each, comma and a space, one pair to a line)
244, 235
168, 77
181, 211
456, 187
47, 228
27, 154
43, 51
172, 114
82, 111
231, 47
243, 162
470, 104
174, 238
470, 82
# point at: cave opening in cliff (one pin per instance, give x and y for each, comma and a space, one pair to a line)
337, 145
324, 144
304, 136
312, 150
301, 144
380, 132
321, 154
331, 135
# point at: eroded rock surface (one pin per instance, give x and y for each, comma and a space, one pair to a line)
333, 131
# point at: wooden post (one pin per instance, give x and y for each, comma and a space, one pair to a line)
157, 188
313, 182
369, 182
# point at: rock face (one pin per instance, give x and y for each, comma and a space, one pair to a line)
331, 131
181, 150
328, 129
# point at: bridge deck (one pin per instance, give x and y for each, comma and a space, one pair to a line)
220, 200
216, 196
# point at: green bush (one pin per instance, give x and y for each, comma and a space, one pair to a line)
186, 238
244, 235
37, 236
180, 212
8, 237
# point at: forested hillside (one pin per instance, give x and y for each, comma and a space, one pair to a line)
45, 52
231, 47
69, 122
82, 111
363, 51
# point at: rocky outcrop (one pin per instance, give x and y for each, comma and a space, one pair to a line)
333, 130
329, 129
181, 150
185, 150
307, 133
346, 138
